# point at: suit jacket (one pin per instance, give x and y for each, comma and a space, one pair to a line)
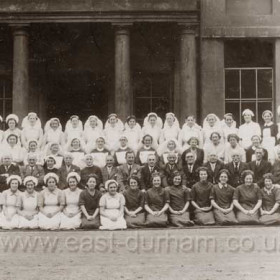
250, 152
123, 174
85, 172
214, 175
168, 174
12, 170
38, 172
259, 171
235, 176
199, 156
191, 177
108, 176
145, 176
63, 173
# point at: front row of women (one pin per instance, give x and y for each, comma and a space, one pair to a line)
72, 208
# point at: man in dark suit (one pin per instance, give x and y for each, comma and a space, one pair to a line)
33, 169
189, 170
194, 142
169, 169
147, 170
7, 169
260, 166
67, 167
235, 168
109, 171
127, 169
256, 143
214, 167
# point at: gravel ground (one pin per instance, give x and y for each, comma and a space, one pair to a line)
195, 253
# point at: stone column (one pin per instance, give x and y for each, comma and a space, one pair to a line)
188, 73
20, 71
123, 96
277, 74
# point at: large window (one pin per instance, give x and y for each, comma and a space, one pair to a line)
5, 97
250, 88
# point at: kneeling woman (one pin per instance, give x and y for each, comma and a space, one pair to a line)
222, 200
247, 199
50, 203
9, 218
156, 203
180, 198
270, 202
200, 193
28, 204
134, 204
89, 203
112, 207
71, 215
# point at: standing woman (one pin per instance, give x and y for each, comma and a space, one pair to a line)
71, 214
53, 133
73, 129
200, 193
171, 128
89, 203
156, 203
34, 150
9, 218
247, 199
232, 146
112, 206
76, 148
152, 126
12, 122
217, 145
180, 198
100, 152
28, 204
31, 125
222, 200
50, 203
269, 132
270, 213
146, 149
134, 204
228, 125
14, 149
248, 129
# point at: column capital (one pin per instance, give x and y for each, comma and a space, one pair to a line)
122, 27
19, 29
188, 28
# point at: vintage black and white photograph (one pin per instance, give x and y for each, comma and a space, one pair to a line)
139, 139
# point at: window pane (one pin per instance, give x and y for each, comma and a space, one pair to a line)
8, 107
160, 106
232, 84
142, 107
248, 84
262, 106
248, 105
142, 87
8, 89
161, 85
234, 108
265, 83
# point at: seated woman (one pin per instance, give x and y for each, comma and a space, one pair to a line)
134, 204
28, 204
12, 122
9, 218
121, 149
100, 152
222, 200
50, 203
146, 149
270, 201
89, 203
156, 203
112, 208
180, 198
14, 149
49, 165
71, 214
215, 145
54, 149
247, 199
200, 193
232, 146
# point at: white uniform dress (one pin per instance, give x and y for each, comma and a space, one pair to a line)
90, 135
32, 133
50, 201
154, 132
28, 203
71, 199
112, 136
246, 131
8, 132
133, 136
112, 206
169, 132
10, 207
187, 132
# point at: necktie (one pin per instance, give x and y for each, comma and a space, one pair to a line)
190, 168
129, 169
32, 169
236, 167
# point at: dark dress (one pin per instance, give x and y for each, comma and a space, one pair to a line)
223, 197
89, 170
91, 203
201, 196
133, 200
179, 196
156, 198
248, 197
268, 201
